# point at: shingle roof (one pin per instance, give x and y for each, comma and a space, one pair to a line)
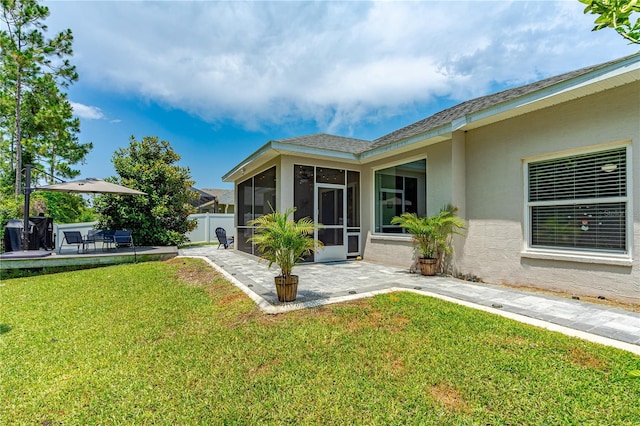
218, 193
227, 197
326, 142
329, 142
222, 196
204, 197
478, 104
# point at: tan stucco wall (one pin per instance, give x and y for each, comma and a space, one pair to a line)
482, 171
495, 200
287, 163
393, 249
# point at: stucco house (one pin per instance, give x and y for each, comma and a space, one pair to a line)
213, 200
547, 177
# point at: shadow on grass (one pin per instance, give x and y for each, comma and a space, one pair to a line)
33, 272
4, 328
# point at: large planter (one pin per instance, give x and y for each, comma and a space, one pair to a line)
287, 288
427, 266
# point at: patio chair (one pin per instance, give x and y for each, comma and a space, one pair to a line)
123, 238
74, 238
108, 238
225, 242
93, 235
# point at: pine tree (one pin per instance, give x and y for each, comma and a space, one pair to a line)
29, 62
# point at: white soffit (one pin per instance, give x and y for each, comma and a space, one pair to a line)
305, 151
274, 149
261, 156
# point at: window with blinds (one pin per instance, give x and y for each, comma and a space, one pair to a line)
579, 202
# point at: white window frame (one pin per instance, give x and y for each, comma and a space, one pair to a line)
578, 255
376, 194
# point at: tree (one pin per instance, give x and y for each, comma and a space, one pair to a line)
160, 217
50, 130
27, 59
9, 209
616, 14
62, 207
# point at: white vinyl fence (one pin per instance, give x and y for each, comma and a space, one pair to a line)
204, 233
58, 230
207, 224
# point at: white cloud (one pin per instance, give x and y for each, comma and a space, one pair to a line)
87, 112
334, 62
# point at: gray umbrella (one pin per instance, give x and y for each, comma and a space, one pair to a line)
90, 186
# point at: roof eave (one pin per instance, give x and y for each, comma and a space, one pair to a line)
580, 86
240, 169
254, 160
435, 135
542, 98
284, 148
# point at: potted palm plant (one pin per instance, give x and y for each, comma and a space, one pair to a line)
285, 242
432, 236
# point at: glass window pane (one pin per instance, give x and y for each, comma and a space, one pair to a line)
388, 181
398, 190
592, 175
580, 181
410, 195
589, 226
391, 205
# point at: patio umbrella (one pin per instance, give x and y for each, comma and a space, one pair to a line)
90, 186
87, 186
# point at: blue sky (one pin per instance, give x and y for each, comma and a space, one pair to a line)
220, 79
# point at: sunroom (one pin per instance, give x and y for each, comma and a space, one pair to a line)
320, 176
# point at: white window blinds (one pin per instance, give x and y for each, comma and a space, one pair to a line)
579, 202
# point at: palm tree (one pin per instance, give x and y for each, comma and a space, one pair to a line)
432, 234
282, 240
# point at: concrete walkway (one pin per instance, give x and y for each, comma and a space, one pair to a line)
325, 283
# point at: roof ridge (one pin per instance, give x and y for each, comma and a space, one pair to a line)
320, 134
327, 141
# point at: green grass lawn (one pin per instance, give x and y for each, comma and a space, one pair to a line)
174, 343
